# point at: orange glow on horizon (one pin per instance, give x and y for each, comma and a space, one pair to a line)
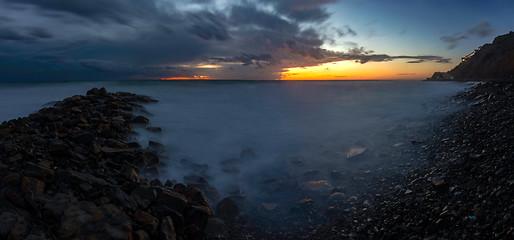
196, 77
349, 70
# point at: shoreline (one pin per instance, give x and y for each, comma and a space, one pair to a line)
466, 189
74, 165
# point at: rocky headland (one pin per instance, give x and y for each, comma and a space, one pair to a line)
491, 61
71, 172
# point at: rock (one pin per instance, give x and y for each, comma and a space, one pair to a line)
19, 229
198, 215
337, 197
146, 221
140, 120
269, 206
141, 235
172, 200
59, 150
39, 172
303, 208
144, 196
354, 152
7, 221
440, 185
32, 185
197, 197
124, 200
167, 231
154, 129
156, 182
317, 186
227, 209
215, 229
247, 153
54, 208
74, 217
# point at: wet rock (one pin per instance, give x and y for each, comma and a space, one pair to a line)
215, 229
7, 221
141, 235
54, 208
321, 186
140, 120
354, 152
247, 154
144, 196
304, 208
146, 221
227, 209
269, 206
154, 129
198, 215
172, 200
32, 185
124, 200
167, 230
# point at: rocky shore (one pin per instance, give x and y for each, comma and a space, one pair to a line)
74, 171
463, 190
71, 172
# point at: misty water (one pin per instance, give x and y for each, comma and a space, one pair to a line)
263, 139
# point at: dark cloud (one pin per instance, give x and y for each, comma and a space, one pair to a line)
303, 10
5, 19
40, 33
97, 10
99, 39
365, 57
12, 35
480, 30
246, 59
207, 26
250, 17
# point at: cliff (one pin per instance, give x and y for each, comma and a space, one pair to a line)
492, 61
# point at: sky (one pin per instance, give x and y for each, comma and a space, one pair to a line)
247, 39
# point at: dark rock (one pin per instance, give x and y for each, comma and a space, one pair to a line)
124, 200
198, 215
144, 196
167, 230
154, 129
7, 221
32, 185
156, 182
54, 208
247, 153
141, 235
227, 209
215, 229
140, 120
172, 200
146, 221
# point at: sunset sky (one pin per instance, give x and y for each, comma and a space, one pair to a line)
249, 39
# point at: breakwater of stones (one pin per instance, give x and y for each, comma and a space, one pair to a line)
70, 171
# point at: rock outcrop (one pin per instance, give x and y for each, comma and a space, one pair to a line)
492, 61
67, 172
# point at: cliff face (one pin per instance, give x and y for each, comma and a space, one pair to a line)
492, 61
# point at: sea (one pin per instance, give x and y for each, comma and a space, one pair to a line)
257, 138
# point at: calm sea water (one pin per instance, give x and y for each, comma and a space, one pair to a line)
291, 127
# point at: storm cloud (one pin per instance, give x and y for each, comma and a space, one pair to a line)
97, 39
